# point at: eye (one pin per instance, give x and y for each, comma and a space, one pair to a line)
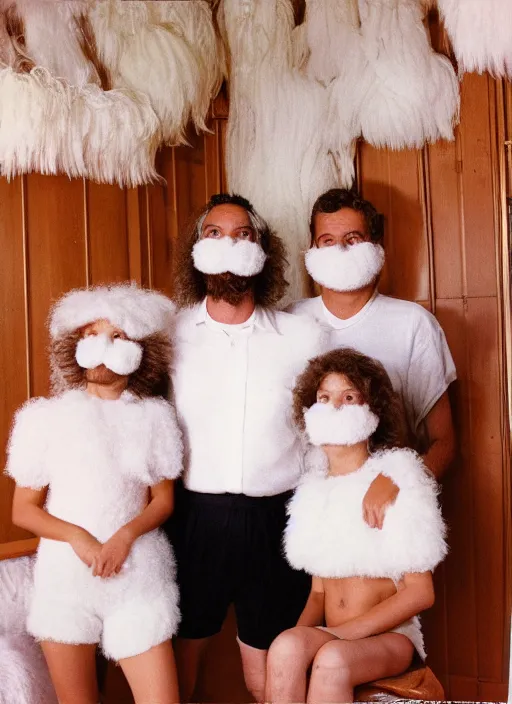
90, 333
323, 398
116, 336
246, 234
353, 239
214, 233
326, 242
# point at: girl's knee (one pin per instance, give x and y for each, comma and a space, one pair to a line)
332, 663
289, 644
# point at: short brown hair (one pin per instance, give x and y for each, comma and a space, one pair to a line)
371, 380
269, 285
149, 380
338, 198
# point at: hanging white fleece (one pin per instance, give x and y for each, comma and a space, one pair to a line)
326, 533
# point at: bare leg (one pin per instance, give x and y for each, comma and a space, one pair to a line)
289, 658
254, 663
152, 675
340, 665
73, 671
188, 658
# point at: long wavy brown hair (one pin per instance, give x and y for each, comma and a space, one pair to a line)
268, 286
149, 380
370, 379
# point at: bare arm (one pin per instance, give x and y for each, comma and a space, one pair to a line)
27, 512
313, 613
115, 551
415, 594
441, 452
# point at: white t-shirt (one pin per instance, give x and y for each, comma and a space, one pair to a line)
404, 337
233, 392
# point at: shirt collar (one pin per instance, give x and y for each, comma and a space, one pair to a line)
265, 319
339, 323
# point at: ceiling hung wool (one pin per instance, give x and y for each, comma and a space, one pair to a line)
480, 33
168, 50
275, 154
411, 92
65, 109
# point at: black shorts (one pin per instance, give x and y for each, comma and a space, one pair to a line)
229, 551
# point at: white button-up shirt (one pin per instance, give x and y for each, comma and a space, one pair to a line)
233, 392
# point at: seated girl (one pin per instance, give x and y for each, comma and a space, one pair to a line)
369, 585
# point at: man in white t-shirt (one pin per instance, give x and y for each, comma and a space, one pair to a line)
345, 260
235, 364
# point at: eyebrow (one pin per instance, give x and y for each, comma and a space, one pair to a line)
239, 227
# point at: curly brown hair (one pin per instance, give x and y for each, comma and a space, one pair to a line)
149, 380
370, 379
268, 286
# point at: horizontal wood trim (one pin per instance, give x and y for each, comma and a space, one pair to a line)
18, 548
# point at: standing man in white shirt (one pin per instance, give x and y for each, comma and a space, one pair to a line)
235, 364
345, 260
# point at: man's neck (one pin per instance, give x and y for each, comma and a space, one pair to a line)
110, 392
229, 314
346, 304
345, 459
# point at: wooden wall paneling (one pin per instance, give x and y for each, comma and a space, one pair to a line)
56, 257
107, 233
14, 342
393, 182
163, 222
477, 96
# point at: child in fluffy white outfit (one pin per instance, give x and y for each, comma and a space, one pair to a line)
107, 447
369, 584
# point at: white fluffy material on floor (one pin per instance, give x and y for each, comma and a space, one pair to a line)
413, 93
161, 51
48, 126
52, 38
138, 312
274, 153
327, 536
480, 33
24, 677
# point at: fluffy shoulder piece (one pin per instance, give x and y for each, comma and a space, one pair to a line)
138, 312
166, 444
27, 445
310, 337
326, 534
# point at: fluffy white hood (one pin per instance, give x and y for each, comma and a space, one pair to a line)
138, 312
327, 536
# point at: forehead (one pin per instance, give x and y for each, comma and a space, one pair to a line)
101, 324
340, 222
335, 382
227, 214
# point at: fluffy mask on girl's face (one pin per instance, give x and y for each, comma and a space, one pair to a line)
123, 357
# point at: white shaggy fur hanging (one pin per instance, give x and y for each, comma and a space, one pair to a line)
411, 93
138, 312
327, 536
480, 33
50, 127
274, 151
24, 676
52, 38
145, 47
336, 59
99, 458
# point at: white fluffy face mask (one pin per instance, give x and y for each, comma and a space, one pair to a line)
345, 268
123, 357
346, 425
222, 255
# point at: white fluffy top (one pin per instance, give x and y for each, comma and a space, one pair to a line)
138, 312
98, 457
15, 587
327, 536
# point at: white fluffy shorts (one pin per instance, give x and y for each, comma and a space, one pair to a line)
127, 614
